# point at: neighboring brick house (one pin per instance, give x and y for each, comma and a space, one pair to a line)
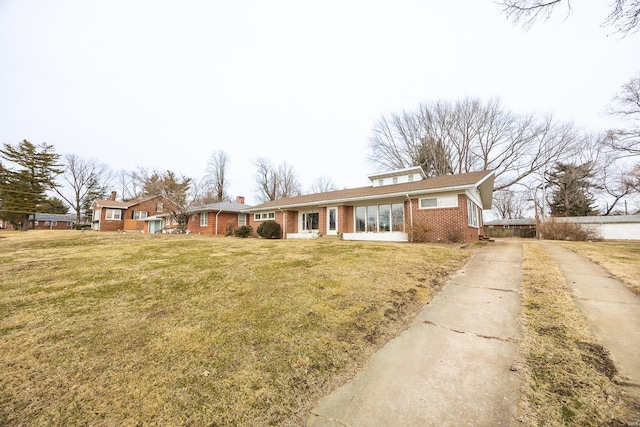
399, 206
45, 221
218, 219
113, 215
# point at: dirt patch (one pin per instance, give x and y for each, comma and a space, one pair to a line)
597, 356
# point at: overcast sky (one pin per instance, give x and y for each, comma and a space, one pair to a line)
163, 84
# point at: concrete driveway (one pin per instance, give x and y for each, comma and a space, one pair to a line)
453, 365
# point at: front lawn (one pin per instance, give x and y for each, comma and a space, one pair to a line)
119, 329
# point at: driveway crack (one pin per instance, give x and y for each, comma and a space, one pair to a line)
461, 331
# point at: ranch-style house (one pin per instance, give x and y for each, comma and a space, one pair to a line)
400, 206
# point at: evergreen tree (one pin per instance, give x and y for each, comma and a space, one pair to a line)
54, 205
572, 188
94, 191
23, 189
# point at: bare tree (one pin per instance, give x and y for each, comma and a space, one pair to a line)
511, 204
470, 135
288, 183
216, 174
626, 105
624, 14
274, 183
83, 178
322, 184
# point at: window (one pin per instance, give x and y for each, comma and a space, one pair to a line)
114, 214
36, 222
361, 219
379, 218
264, 215
372, 218
139, 214
159, 207
242, 220
395, 179
439, 202
310, 221
397, 217
204, 219
472, 213
410, 178
384, 217
47, 223
429, 203
381, 182
54, 223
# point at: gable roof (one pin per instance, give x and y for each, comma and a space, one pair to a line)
483, 180
121, 205
225, 206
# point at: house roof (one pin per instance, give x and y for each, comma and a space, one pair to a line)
53, 217
483, 180
121, 205
225, 206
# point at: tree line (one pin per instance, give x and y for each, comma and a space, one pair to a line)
36, 179
538, 162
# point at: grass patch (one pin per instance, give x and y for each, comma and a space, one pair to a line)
621, 259
567, 374
112, 329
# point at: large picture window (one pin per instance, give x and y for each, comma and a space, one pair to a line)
379, 218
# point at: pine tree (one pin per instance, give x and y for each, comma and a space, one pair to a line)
23, 189
572, 190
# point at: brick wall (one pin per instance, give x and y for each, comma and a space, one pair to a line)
226, 220
441, 224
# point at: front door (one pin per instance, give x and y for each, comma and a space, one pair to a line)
332, 221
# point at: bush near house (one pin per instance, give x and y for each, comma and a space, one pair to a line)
270, 230
243, 231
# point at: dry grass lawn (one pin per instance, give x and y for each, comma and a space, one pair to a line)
116, 329
621, 259
567, 373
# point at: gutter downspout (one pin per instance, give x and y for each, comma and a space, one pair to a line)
217, 221
410, 216
284, 223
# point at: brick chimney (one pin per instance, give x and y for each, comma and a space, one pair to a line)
240, 199
113, 196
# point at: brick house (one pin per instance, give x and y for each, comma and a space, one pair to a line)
46, 221
218, 219
400, 206
113, 215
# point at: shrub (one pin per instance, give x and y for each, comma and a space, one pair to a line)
229, 229
243, 231
269, 230
421, 233
560, 230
